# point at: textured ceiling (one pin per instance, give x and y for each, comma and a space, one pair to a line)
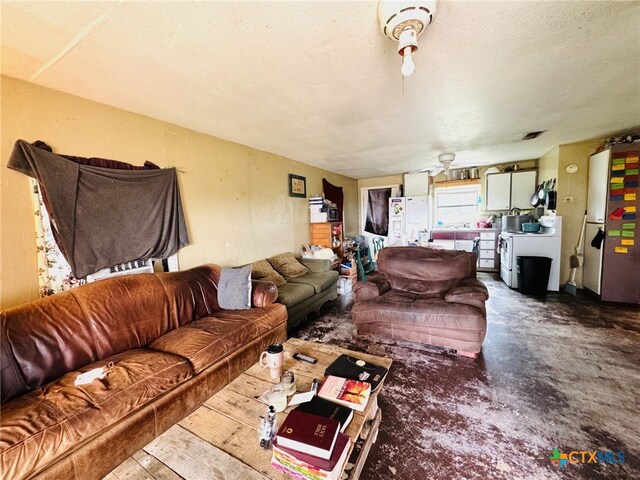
317, 82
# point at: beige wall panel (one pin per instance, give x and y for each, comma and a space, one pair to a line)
235, 198
574, 186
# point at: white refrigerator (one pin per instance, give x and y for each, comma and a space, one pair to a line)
407, 216
596, 219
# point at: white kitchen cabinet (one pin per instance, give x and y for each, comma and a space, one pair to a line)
523, 185
498, 191
508, 190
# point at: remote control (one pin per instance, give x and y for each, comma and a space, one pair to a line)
304, 358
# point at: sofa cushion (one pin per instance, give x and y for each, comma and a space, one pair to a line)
288, 266
291, 294
42, 425
423, 270
319, 281
234, 288
262, 270
405, 310
49, 337
211, 339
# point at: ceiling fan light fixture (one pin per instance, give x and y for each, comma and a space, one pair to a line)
446, 159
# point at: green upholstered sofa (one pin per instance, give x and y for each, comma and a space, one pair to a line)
307, 293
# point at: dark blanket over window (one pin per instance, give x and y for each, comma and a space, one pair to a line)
333, 193
378, 212
105, 215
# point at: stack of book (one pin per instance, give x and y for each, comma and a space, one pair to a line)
310, 444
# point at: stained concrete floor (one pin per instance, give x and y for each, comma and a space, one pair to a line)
561, 372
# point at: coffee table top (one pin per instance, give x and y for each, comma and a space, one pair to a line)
220, 440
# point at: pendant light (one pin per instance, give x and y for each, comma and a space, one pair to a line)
404, 22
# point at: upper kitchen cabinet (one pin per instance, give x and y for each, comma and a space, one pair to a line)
510, 189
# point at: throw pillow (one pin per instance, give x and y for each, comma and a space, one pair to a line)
234, 288
287, 266
262, 270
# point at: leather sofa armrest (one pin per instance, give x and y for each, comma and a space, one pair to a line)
376, 286
383, 284
263, 293
316, 265
365, 291
468, 290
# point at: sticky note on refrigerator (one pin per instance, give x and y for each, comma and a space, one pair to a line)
615, 168
614, 233
631, 209
628, 233
621, 250
618, 161
629, 197
632, 159
627, 241
629, 226
631, 171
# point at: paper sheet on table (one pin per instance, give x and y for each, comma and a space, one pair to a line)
301, 398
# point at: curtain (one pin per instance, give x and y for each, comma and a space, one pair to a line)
54, 273
105, 215
334, 194
378, 211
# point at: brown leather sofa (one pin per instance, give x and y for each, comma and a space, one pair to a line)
424, 295
166, 343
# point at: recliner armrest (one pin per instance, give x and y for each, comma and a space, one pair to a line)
376, 286
316, 265
468, 290
263, 293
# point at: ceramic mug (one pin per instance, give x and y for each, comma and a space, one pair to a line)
274, 357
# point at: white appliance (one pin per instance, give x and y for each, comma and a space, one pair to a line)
596, 218
407, 217
547, 243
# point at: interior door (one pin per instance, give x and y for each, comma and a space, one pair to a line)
592, 269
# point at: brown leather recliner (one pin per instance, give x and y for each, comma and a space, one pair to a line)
424, 295
163, 339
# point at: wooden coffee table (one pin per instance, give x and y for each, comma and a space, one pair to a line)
220, 441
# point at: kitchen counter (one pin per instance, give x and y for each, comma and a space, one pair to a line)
464, 229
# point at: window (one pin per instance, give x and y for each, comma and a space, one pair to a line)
456, 206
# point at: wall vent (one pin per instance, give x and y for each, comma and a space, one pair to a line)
532, 135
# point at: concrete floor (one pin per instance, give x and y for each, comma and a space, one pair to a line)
561, 372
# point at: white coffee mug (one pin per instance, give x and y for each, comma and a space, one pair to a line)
274, 357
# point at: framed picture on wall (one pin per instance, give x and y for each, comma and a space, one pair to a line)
297, 186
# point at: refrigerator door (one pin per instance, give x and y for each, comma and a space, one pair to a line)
417, 216
397, 221
592, 268
598, 187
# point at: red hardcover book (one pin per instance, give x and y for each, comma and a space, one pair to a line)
328, 465
309, 433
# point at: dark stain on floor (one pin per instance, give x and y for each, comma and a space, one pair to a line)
556, 372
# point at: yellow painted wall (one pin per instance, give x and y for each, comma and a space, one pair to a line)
548, 165
235, 198
573, 187
572, 195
